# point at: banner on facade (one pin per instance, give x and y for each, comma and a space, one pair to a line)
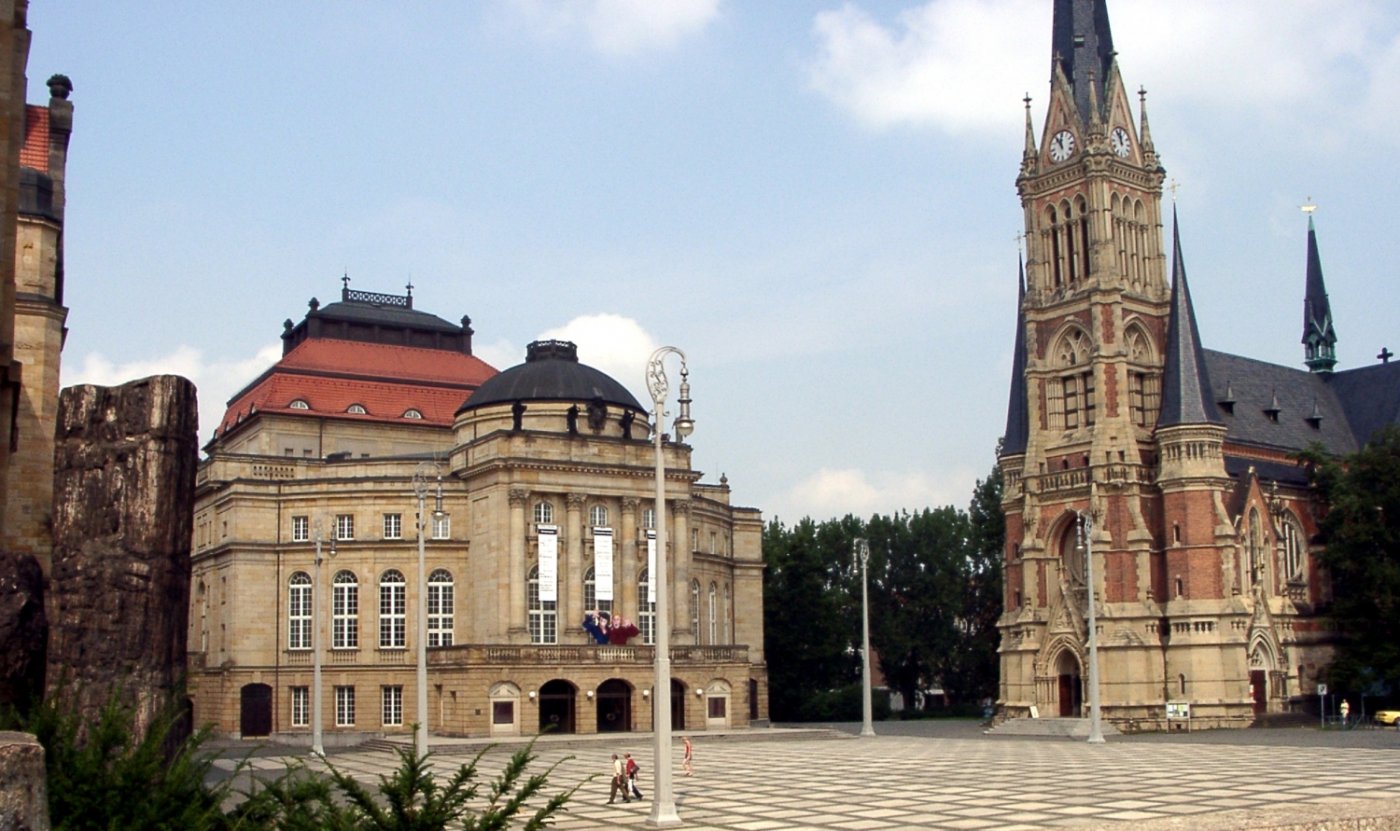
549, 562
651, 566
603, 563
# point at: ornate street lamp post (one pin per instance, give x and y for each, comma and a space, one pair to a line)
1086, 542
317, 603
420, 489
862, 552
663, 806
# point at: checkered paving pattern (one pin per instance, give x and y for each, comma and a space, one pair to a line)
826, 782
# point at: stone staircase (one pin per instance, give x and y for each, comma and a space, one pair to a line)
1066, 728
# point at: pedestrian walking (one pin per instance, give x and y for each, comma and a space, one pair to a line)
619, 781
632, 769
688, 760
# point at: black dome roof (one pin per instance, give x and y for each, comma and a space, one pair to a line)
551, 372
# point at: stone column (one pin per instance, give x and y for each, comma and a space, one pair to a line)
629, 559
571, 610
680, 572
24, 801
118, 604
515, 581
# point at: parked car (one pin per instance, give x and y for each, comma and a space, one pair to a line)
1390, 718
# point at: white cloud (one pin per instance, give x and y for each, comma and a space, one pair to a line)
832, 493
962, 65
215, 381
619, 27
611, 343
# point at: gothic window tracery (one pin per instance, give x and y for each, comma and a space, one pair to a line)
1291, 548
1144, 380
1071, 399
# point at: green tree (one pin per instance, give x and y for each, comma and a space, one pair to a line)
1361, 533
975, 668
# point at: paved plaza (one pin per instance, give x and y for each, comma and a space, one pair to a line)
950, 775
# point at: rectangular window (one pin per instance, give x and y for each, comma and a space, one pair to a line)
392, 617
442, 527
393, 526
345, 613
503, 712
1070, 387
344, 706
391, 699
345, 526
299, 612
440, 609
301, 706
717, 706
301, 529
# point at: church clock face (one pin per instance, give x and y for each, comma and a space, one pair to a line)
1120, 142
1062, 146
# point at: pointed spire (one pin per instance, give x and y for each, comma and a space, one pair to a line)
1319, 337
1095, 117
1185, 384
1144, 132
1082, 46
1031, 149
1018, 424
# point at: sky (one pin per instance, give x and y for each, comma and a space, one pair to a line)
814, 200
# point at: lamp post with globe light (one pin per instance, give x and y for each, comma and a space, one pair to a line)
663, 807
317, 603
420, 490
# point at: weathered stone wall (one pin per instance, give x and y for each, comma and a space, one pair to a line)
119, 589
23, 630
24, 802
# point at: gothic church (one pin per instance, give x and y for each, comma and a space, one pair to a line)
1175, 459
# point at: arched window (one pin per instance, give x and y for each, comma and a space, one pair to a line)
544, 513
1144, 381
440, 608
299, 404
728, 615
393, 608
590, 593
1072, 551
1071, 400
1254, 544
299, 611
646, 610
598, 516
356, 409
412, 413
695, 608
1292, 546
345, 611
712, 613
544, 623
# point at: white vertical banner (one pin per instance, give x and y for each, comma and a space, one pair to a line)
549, 562
603, 563
651, 566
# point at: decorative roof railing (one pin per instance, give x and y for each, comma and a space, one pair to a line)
356, 296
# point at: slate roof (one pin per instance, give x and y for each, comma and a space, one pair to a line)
1370, 395
1082, 45
1186, 390
1018, 423
551, 372
1258, 386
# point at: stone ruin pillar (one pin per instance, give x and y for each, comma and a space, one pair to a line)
118, 600
24, 801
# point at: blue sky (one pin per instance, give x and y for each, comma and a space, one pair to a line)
815, 200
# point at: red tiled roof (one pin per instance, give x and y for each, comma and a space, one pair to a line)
331, 375
34, 153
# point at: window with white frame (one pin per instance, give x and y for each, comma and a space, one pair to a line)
345, 611
393, 610
695, 608
590, 593
1292, 543
301, 529
393, 526
391, 705
299, 611
440, 607
649, 518
544, 513
598, 516
442, 526
344, 706
728, 615
543, 621
712, 614
345, 526
646, 611
301, 706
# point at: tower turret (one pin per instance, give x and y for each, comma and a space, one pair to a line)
1319, 336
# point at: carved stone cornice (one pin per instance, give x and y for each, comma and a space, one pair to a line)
518, 497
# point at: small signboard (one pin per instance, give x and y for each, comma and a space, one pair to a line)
1322, 689
1178, 711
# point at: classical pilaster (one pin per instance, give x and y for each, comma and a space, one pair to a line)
571, 610
627, 563
680, 572
515, 581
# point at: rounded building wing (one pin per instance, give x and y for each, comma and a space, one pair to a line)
551, 372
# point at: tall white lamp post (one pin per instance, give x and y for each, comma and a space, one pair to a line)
1086, 540
862, 552
663, 806
420, 489
317, 604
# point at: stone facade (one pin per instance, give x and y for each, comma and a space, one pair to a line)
1174, 459
560, 457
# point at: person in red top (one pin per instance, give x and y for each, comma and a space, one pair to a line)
632, 770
